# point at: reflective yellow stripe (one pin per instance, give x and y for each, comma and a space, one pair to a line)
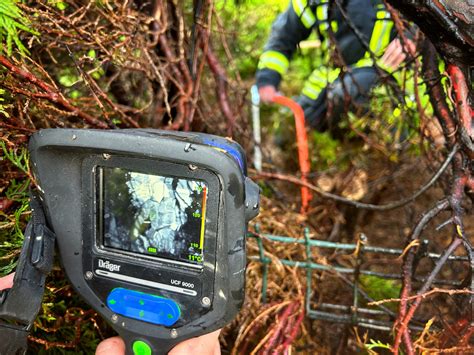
369, 62
323, 18
310, 92
385, 36
324, 76
274, 60
384, 67
406, 80
381, 33
333, 74
379, 41
441, 66
318, 80
364, 62
383, 15
304, 12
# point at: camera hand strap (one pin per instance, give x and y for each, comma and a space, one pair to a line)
20, 304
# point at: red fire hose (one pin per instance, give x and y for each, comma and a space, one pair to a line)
302, 141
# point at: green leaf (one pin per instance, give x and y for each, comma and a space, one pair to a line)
18, 157
67, 78
3, 107
12, 22
91, 54
61, 6
75, 94
377, 345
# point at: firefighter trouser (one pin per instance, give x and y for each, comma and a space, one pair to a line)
350, 94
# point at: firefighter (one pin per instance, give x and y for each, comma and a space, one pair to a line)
366, 43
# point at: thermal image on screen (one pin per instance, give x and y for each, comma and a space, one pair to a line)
154, 215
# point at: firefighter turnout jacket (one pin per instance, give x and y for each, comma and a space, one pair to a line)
355, 26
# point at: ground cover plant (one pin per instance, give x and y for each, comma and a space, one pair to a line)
400, 176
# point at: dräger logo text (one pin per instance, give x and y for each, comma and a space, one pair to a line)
108, 265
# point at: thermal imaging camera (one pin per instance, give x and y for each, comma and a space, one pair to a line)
150, 226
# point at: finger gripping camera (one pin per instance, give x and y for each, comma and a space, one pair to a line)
150, 227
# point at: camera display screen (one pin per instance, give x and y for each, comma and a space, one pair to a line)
154, 215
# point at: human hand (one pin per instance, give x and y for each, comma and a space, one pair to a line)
395, 53
6, 281
267, 93
207, 344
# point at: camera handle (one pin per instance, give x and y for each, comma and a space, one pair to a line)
20, 304
136, 346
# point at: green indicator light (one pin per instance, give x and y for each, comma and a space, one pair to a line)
112, 302
141, 313
170, 315
151, 250
142, 302
141, 348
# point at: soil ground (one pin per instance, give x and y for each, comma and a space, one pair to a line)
385, 182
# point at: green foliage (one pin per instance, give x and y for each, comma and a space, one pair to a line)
325, 149
3, 107
92, 54
379, 288
71, 79
376, 345
383, 126
247, 25
19, 157
12, 21
60, 5
62, 309
18, 191
62, 315
265, 189
98, 73
12, 225
304, 61
68, 77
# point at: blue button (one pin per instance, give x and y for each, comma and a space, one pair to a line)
143, 306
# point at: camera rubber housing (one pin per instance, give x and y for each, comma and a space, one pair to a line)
154, 297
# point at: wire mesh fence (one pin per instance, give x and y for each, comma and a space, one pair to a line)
362, 310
